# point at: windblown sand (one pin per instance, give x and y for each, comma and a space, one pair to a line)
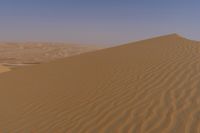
4, 69
151, 86
19, 54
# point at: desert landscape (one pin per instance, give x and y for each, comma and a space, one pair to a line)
148, 86
14, 54
99, 66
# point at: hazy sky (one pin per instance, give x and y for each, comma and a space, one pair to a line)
97, 21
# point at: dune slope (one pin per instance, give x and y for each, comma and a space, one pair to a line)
150, 86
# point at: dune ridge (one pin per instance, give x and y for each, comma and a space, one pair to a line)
150, 86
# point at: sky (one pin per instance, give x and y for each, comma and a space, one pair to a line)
103, 22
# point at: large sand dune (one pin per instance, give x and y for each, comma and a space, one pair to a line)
151, 86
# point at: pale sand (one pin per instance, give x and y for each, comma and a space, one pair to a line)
151, 86
4, 69
18, 54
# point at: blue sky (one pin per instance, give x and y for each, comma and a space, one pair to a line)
97, 21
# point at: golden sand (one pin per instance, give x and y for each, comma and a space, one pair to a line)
4, 69
150, 86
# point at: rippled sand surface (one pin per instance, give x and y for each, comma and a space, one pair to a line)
150, 86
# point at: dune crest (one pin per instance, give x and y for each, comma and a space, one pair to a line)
150, 86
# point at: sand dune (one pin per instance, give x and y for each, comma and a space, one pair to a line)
4, 69
150, 86
18, 54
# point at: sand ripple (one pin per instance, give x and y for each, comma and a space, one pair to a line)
151, 86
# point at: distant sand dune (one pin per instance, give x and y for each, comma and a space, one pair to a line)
18, 54
150, 86
4, 69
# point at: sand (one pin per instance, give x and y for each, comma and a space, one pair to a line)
150, 86
4, 69
16, 54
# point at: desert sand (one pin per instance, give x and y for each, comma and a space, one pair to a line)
4, 69
14, 54
149, 86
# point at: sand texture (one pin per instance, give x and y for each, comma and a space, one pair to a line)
150, 86
4, 69
18, 54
